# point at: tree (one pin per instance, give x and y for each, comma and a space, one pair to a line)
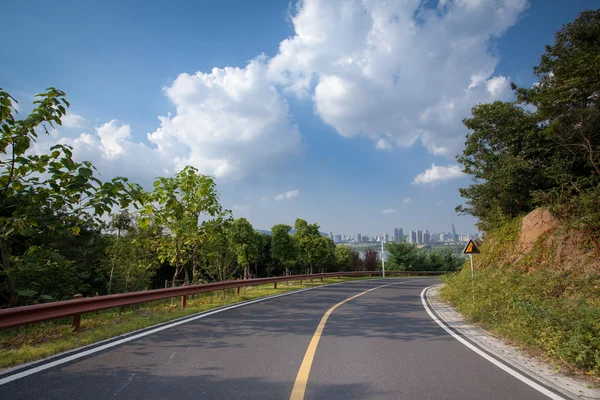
218, 257
284, 251
370, 262
357, 262
506, 155
48, 192
567, 100
313, 249
243, 242
343, 257
401, 255
177, 204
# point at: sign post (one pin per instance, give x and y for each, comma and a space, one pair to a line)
471, 249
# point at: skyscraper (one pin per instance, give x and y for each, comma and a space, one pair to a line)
401, 233
413, 236
396, 234
454, 238
419, 236
385, 237
358, 238
426, 237
330, 235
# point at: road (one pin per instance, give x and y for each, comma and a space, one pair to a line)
379, 345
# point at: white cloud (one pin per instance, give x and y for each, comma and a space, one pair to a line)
438, 173
241, 208
407, 200
228, 123
72, 120
439, 203
396, 68
287, 195
263, 199
389, 211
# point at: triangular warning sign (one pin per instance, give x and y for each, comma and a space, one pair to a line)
470, 248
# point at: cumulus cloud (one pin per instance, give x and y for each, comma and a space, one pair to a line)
287, 195
438, 173
72, 120
397, 68
407, 200
389, 211
228, 123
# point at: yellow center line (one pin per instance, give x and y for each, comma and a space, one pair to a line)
302, 377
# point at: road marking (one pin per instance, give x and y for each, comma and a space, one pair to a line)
302, 377
79, 353
491, 359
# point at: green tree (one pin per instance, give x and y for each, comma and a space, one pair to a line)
370, 262
505, 153
48, 192
218, 257
243, 241
177, 204
284, 251
343, 257
313, 249
401, 255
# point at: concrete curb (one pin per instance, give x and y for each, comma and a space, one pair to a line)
510, 355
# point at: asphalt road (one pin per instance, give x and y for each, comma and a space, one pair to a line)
381, 345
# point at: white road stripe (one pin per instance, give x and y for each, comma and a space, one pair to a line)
491, 359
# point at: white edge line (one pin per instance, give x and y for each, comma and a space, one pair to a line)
491, 359
51, 364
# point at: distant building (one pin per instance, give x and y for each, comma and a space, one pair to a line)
454, 236
331, 235
337, 239
401, 233
396, 234
365, 239
413, 237
426, 237
419, 236
358, 238
386, 237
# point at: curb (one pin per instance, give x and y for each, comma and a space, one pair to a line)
510, 355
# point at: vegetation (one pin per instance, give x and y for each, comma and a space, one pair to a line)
532, 302
404, 256
542, 150
521, 159
55, 240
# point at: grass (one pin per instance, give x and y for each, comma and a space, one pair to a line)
548, 311
37, 341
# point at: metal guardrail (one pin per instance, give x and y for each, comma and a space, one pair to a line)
19, 316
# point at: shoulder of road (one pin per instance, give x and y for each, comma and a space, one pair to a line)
511, 355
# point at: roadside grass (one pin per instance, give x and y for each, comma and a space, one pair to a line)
547, 311
33, 342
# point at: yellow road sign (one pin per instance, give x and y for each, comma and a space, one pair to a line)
470, 248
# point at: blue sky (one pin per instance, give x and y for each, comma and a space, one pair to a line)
341, 108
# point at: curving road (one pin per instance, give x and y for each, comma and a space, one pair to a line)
379, 345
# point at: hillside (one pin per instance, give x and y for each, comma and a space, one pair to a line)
537, 282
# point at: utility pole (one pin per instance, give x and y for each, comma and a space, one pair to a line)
382, 258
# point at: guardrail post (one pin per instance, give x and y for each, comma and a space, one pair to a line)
321, 279
237, 290
76, 318
274, 285
183, 301
301, 281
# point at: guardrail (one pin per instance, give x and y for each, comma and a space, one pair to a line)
19, 316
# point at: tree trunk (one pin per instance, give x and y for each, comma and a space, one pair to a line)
195, 265
12, 288
177, 267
